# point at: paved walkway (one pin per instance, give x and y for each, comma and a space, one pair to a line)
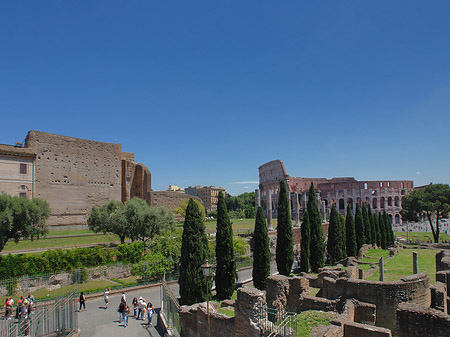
97, 321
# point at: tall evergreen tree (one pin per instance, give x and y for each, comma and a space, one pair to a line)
377, 228
359, 229
389, 232
367, 229
226, 264
373, 227
334, 244
194, 252
350, 233
317, 246
305, 243
382, 231
341, 218
261, 251
285, 242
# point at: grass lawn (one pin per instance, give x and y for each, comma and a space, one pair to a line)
223, 311
401, 265
308, 320
74, 232
421, 236
11, 246
373, 255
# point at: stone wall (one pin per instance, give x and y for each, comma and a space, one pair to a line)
443, 260
74, 174
170, 199
418, 321
385, 295
194, 319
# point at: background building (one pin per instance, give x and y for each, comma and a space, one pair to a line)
381, 195
208, 194
72, 175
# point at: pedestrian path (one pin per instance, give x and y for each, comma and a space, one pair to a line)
97, 321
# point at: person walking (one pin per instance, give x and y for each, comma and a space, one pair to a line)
126, 314
140, 308
135, 307
150, 312
82, 301
106, 297
8, 308
121, 310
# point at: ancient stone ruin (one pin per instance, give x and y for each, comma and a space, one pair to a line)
408, 307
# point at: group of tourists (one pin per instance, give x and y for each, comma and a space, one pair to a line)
141, 309
24, 307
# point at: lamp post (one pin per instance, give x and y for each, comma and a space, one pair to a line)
206, 272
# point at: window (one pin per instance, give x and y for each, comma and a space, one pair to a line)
23, 168
22, 187
23, 194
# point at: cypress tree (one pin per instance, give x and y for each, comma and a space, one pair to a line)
359, 229
194, 252
382, 231
389, 232
334, 238
350, 233
343, 236
317, 245
305, 243
285, 242
373, 227
367, 229
377, 229
226, 264
261, 251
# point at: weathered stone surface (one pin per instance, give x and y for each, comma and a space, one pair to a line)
352, 329
170, 199
277, 291
246, 312
385, 295
443, 260
417, 321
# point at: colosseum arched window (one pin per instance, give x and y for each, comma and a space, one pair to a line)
374, 203
396, 201
397, 219
382, 202
341, 204
350, 203
389, 201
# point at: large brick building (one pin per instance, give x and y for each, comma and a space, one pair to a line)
381, 195
71, 174
208, 194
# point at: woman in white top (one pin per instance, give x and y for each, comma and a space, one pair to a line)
106, 297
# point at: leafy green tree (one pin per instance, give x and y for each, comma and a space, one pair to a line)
181, 209
341, 219
334, 244
194, 253
382, 231
285, 241
305, 243
109, 218
350, 237
226, 264
359, 228
317, 247
367, 228
373, 227
261, 251
21, 218
431, 202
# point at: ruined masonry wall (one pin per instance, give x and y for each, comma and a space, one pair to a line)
74, 174
385, 295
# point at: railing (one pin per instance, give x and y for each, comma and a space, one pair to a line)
170, 308
275, 322
57, 317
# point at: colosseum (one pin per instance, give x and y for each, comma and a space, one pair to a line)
381, 195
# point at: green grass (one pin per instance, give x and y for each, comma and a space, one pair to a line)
60, 242
373, 255
365, 267
401, 265
308, 320
421, 236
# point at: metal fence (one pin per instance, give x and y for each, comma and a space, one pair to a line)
57, 317
275, 322
170, 308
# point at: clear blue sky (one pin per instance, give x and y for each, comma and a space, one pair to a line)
204, 92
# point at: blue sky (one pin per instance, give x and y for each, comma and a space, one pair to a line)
204, 92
